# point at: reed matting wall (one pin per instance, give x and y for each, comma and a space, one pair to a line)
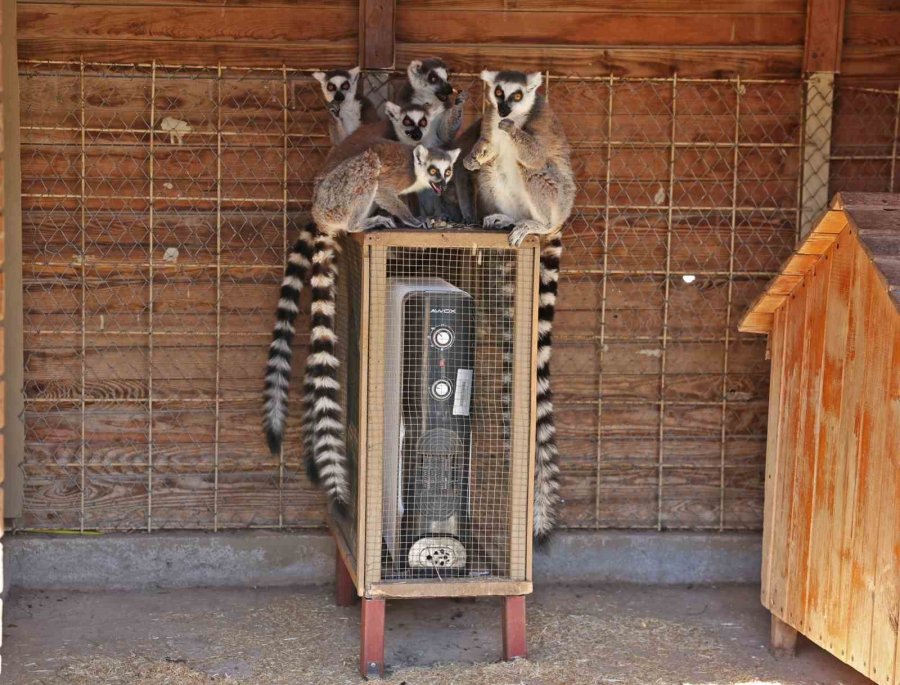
158, 202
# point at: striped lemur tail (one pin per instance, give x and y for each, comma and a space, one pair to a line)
547, 501
311, 257
278, 367
325, 453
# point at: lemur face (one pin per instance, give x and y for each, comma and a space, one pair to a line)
411, 123
430, 74
512, 92
434, 167
338, 84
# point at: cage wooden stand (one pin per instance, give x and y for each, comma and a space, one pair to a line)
366, 264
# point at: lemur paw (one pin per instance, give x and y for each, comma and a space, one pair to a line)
497, 222
517, 235
461, 98
334, 109
506, 125
470, 162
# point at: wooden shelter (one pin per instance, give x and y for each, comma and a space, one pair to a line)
831, 530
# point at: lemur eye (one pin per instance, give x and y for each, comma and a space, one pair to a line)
345, 85
423, 123
331, 87
433, 171
447, 173
407, 121
518, 96
432, 78
499, 93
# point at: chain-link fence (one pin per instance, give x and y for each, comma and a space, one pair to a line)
865, 153
158, 203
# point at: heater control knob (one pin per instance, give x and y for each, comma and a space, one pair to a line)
441, 389
442, 337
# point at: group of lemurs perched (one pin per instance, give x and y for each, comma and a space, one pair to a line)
518, 159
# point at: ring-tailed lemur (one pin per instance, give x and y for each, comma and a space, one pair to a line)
348, 109
343, 199
428, 84
407, 124
525, 178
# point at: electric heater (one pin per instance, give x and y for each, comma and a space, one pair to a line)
430, 355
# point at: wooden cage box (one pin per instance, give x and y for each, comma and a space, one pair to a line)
831, 535
437, 340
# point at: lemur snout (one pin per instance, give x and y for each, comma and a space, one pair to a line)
504, 109
339, 96
415, 133
444, 91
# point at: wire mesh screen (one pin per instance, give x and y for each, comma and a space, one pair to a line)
158, 204
687, 204
450, 341
865, 155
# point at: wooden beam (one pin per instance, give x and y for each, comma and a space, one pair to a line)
824, 35
12, 361
376, 34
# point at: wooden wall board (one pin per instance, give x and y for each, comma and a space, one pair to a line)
769, 113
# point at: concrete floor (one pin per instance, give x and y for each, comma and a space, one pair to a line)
604, 634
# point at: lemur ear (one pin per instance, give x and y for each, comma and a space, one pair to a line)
393, 110
489, 76
319, 76
420, 154
414, 66
453, 155
354, 74
533, 80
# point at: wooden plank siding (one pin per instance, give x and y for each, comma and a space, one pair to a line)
305, 34
831, 566
610, 465
871, 46
754, 39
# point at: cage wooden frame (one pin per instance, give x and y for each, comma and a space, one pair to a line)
352, 540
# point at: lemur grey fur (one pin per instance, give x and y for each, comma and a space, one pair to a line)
525, 180
428, 84
347, 108
343, 200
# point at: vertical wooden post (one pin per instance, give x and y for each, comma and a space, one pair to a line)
11, 357
821, 60
376, 34
514, 640
824, 35
371, 638
783, 639
818, 106
344, 591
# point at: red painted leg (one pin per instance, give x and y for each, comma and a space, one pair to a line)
514, 628
371, 634
344, 590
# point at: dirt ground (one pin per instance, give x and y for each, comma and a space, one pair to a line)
604, 635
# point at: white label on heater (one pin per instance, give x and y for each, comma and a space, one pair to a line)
463, 392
